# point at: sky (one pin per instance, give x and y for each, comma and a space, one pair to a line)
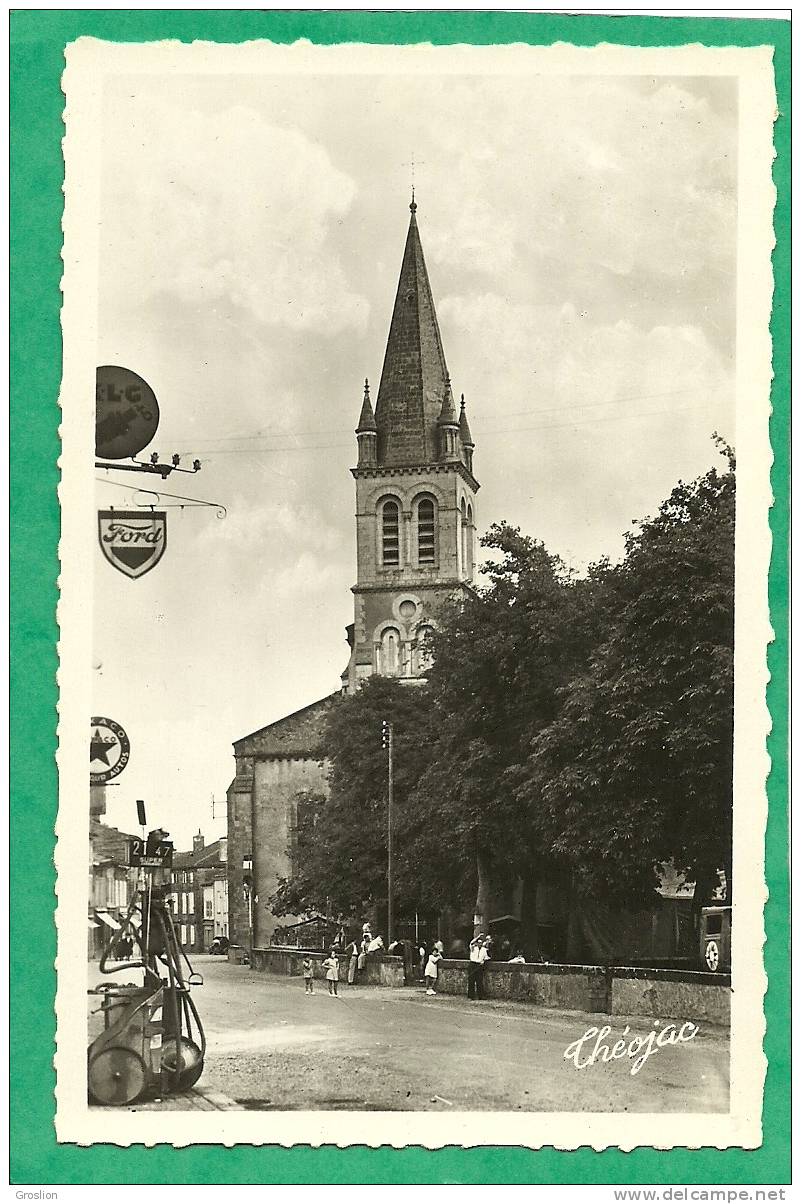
580, 237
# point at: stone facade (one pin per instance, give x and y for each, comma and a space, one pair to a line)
273, 765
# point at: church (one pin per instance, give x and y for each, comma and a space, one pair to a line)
415, 549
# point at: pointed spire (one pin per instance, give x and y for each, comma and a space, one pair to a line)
366, 433
413, 377
367, 417
464, 427
447, 415
448, 425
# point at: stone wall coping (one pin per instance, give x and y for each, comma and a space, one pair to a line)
366, 471
375, 956
694, 977
300, 753
414, 582
541, 967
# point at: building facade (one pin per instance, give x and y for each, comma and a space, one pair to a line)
415, 550
182, 890
199, 891
112, 883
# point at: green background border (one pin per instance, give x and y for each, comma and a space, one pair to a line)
37, 46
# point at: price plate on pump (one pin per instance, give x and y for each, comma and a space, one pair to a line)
150, 854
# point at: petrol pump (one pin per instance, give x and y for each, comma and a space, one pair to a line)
152, 1043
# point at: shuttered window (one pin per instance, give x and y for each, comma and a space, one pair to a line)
426, 537
390, 533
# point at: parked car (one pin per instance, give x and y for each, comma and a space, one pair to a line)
219, 945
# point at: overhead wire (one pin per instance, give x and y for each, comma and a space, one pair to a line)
276, 432
484, 432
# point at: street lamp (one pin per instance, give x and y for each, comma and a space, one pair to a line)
386, 742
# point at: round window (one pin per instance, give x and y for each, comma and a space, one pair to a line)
407, 608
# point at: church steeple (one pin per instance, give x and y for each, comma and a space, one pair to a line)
414, 373
415, 491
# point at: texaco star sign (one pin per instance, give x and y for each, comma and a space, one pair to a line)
109, 750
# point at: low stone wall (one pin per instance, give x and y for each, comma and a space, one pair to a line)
613, 990
571, 988
379, 969
686, 995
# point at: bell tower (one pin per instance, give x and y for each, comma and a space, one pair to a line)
415, 490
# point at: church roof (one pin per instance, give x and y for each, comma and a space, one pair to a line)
413, 380
296, 735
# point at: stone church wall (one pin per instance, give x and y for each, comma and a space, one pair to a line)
240, 845
277, 782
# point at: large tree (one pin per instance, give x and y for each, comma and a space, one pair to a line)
499, 662
636, 769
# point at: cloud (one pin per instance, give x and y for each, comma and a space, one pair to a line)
559, 355
593, 422
229, 212
621, 175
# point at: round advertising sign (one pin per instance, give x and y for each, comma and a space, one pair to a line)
126, 413
109, 750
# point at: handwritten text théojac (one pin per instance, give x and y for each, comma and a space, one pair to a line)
593, 1046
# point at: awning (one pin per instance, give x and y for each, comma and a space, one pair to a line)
108, 920
92, 924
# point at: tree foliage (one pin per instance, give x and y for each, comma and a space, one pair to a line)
499, 662
636, 769
576, 724
344, 838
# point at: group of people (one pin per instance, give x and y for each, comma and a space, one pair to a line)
480, 952
356, 952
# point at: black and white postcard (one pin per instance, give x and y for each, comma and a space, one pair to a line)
415, 492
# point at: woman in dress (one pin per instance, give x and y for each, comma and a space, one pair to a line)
432, 972
331, 967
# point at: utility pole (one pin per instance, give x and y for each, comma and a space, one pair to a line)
386, 742
247, 887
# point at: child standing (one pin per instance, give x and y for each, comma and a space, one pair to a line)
308, 975
431, 968
331, 967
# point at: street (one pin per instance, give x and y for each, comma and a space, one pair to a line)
272, 1047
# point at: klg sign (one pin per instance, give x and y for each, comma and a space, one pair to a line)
126, 413
132, 541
